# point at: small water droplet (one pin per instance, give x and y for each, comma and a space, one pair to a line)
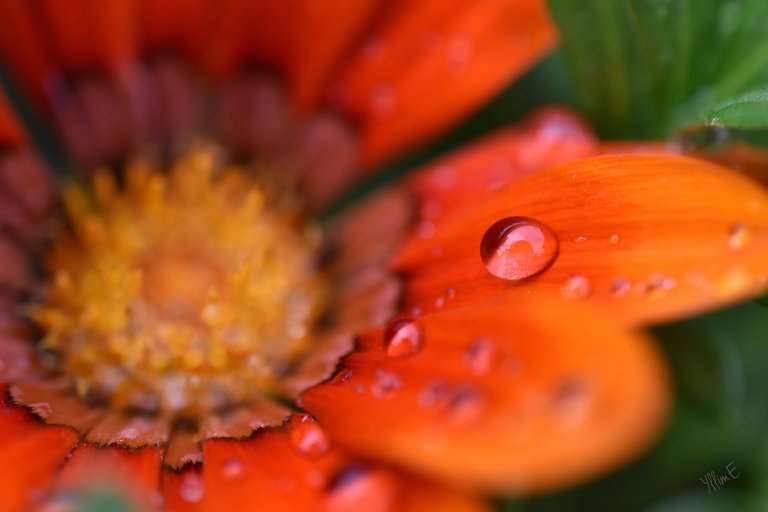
383, 101
359, 389
614, 239
450, 293
433, 392
386, 384
518, 247
358, 487
342, 377
576, 287
620, 286
465, 404
307, 436
426, 230
439, 302
479, 355
402, 338
233, 469
191, 487
739, 236
572, 399
657, 286
580, 239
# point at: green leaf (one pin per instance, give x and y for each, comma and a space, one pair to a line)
646, 68
749, 111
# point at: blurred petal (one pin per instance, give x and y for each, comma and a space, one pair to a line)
11, 132
432, 62
650, 237
173, 25
30, 456
548, 137
523, 394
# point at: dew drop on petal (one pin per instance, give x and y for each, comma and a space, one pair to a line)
572, 399
620, 286
465, 404
576, 287
191, 487
426, 230
518, 247
479, 355
614, 239
307, 436
434, 392
386, 384
233, 469
657, 286
358, 487
450, 293
402, 338
580, 239
739, 236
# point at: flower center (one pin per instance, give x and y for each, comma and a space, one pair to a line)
180, 293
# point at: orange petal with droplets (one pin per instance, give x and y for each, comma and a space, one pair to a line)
30, 456
276, 470
518, 395
649, 237
432, 62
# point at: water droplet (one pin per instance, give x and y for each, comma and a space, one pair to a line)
342, 377
433, 392
402, 338
358, 487
479, 355
464, 404
307, 435
576, 287
450, 293
439, 302
657, 286
383, 101
460, 51
359, 389
191, 487
426, 230
620, 286
572, 399
739, 236
518, 247
580, 239
386, 384
233, 469
614, 239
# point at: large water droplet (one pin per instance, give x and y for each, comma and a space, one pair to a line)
402, 338
576, 287
518, 247
739, 236
479, 355
386, 384
307, 436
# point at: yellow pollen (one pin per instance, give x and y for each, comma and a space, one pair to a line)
181, 293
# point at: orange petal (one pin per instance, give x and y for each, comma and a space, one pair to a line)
96, 34
173, 25
302, 38
11, 132
548, 137
133, 471
23, 48
30, 455
432, 62
522, 394
650, 237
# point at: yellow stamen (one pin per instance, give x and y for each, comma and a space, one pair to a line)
183, 293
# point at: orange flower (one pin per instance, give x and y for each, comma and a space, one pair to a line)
186, 342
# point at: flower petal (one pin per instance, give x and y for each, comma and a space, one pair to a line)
650, 237
459, 53
11, 133
40, 448
500, 397
270, 472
